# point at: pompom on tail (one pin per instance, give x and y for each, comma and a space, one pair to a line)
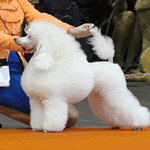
102, 45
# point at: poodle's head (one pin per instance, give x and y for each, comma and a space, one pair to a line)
42, 35
40, 32
34, 32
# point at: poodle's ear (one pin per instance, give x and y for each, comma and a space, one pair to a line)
44, 60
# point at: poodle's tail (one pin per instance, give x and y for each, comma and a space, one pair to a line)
102, 45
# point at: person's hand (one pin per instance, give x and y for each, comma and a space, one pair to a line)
81, 31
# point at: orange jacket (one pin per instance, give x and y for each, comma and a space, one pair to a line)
13, 12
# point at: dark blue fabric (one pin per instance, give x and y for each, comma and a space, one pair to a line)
55, 5
14, 96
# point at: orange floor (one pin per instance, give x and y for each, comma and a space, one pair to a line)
83, 138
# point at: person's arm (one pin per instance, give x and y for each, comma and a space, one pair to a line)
7, 42
32, 14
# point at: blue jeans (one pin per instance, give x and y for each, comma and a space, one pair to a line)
14, 96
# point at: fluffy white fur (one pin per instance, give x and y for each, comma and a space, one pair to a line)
59, 74
102, 45
111, 101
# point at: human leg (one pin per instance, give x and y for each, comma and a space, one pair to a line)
123, 28
135, 47
14, 96
144, 17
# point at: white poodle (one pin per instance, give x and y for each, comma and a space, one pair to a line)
58, 74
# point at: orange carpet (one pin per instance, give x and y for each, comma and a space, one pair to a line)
83, 138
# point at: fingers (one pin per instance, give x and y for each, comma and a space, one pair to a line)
90, 26
81, 31
87, 26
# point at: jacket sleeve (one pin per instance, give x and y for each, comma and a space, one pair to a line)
32, 14
7, 41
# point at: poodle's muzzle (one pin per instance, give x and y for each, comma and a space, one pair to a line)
25, 42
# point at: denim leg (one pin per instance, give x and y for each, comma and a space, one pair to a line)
14, 96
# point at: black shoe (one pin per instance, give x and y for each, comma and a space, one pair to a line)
124, 69
131, 70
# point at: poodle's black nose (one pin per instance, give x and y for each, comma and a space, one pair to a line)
15, 39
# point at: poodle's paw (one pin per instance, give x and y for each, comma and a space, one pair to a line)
37, 130
137, 129
115, 127
45, 131
49, 127
141, 118
53, 129
36, 125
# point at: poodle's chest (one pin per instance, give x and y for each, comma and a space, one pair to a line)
63, 78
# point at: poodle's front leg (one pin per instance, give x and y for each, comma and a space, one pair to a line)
36, 115
55, 114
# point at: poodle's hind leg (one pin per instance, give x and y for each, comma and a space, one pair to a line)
36, 115
55, 114
111, 100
